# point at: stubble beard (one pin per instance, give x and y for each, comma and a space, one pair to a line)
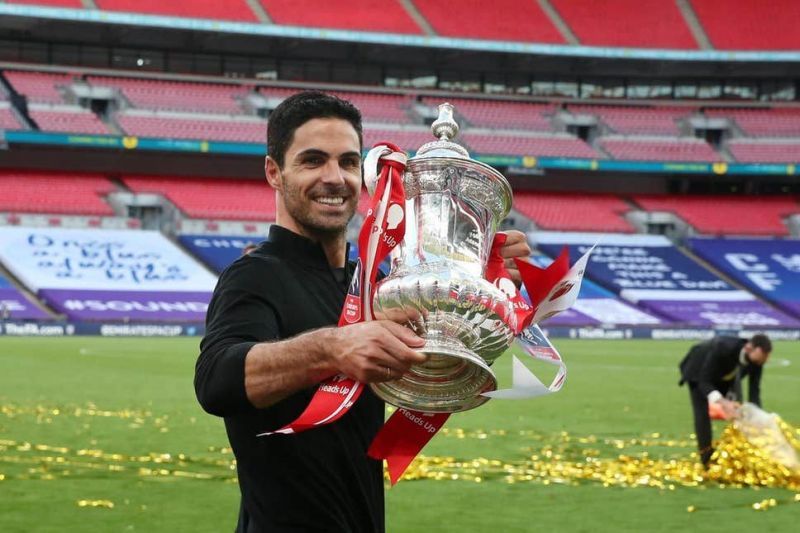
301, 211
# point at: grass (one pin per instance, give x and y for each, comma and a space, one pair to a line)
105, 435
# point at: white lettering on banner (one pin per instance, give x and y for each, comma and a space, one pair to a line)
745, 319
766, 281
35, 330
790, 262
133, 305
746, 262
77, 259
207, 242
682, 334
418, 420
12, 305
139, 330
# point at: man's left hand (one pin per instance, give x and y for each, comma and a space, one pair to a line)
516, 245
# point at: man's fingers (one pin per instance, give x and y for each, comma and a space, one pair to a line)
402, 333
516, 245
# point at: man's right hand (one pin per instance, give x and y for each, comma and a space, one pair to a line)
729, 408
375, 351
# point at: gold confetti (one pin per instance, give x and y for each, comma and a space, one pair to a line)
107, 504
691, 509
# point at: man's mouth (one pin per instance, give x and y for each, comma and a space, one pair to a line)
330, 200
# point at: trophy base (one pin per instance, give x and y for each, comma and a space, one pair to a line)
450, 381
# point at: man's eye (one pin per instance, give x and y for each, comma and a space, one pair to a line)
351, 163
313, 161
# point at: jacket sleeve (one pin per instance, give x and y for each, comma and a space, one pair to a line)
709, 371
239, 316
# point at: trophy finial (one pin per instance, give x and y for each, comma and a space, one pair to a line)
445, 128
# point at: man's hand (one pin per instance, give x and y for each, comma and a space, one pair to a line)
516, 245
375, 351
729, 408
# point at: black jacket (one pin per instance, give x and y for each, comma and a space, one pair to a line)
713, 365
318, 480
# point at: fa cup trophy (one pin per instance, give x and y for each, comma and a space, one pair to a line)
436, 285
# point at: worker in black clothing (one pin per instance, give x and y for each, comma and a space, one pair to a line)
269, 336
714, 369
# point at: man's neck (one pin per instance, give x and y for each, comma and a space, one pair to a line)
334, 245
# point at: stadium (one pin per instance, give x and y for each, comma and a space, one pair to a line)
132, 144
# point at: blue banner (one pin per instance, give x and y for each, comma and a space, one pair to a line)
768, 267
217, 251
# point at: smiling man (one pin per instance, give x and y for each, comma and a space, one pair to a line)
271, 336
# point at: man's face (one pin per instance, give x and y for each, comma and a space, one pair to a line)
757, 355
321, 178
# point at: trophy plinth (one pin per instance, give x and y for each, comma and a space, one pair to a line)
453, 207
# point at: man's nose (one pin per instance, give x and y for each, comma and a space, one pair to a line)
333, 173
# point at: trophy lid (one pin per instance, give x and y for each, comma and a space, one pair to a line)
444, 128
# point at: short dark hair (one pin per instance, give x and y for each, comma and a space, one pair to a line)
759, 340
299, 109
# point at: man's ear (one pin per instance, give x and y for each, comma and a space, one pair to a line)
273, 173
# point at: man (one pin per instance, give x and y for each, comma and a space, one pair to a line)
270, 337
714, 369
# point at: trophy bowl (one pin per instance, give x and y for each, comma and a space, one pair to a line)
436, 284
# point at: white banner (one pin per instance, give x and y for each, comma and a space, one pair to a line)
97, 259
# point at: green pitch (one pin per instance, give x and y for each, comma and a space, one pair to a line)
105, 435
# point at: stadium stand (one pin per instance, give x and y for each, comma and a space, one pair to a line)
48, 192
407, 139
39, 87
8, 121
374, 107
210, 9
176, 96
557, 145
574, 212
661, 149
726, 215
67, 119
762, 122
188, 126
232, 199
750, 24
635, 23
369, 15
633, 120
765, 150
53, 3
500, 114
505, 20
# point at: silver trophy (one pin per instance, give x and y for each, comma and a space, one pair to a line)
436, 285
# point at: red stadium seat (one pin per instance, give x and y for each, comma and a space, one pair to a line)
664, 149
765, 151
50, 192
52, 3
574, 212
369, 15
176, 95
544, 145
763, 122
750, 24
67, 119
209, 9
505, 20
726, 215
7, 119
200, 127
635, 120
41, 87
500, 114
228, 199
407, 139
632, 23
